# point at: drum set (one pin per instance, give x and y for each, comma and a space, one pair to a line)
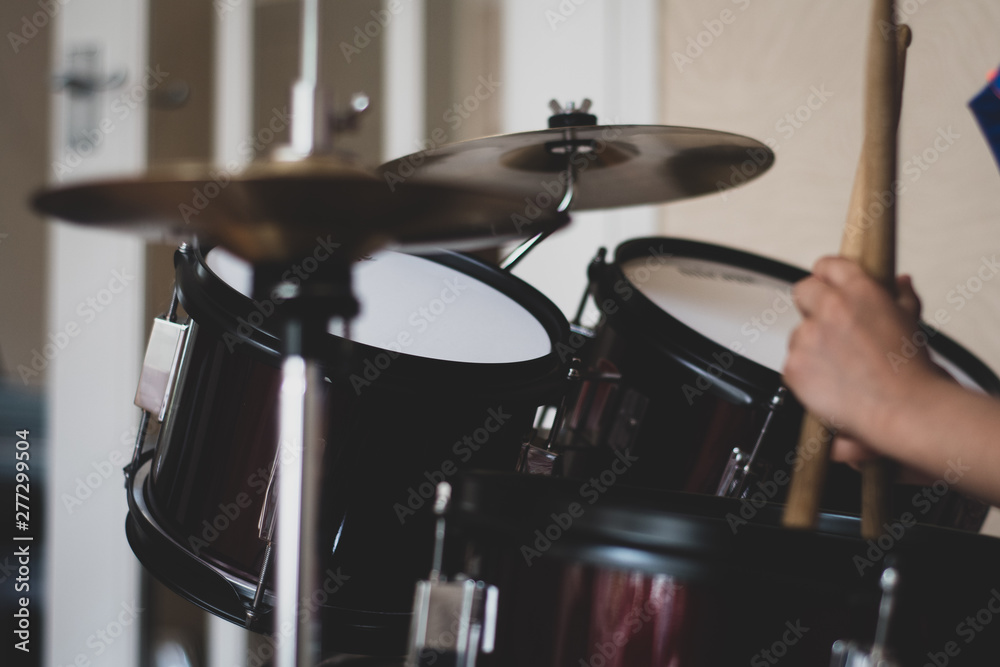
455, 474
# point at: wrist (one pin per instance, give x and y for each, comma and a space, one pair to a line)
913, 405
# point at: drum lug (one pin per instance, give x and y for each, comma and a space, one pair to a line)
253, 611
851, 654
735, 476
739, 469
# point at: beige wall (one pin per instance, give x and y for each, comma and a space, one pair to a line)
766, 62
24, 118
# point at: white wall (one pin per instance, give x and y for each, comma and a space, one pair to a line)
766, 63
768, 60
92, 574
604, 50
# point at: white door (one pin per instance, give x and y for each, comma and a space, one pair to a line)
96, 292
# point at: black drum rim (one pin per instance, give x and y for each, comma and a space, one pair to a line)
745, 381
214, 304
637, 521
157, 548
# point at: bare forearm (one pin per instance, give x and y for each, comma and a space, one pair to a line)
949, 434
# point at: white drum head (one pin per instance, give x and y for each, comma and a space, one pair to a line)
745, 311
421, 308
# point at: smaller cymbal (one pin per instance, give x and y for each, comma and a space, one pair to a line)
612, 165
276, 211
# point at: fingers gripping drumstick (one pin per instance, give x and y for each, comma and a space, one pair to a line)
869, 239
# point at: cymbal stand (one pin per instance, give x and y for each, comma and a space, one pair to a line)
307, 311
568, 117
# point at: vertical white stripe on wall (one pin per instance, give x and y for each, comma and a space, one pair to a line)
571, 50
96, 288
227, 642
404, 81
234, 50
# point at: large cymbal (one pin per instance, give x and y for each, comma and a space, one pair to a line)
614, 165
276, 211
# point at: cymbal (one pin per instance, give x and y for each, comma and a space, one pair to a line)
612, 165
277, 211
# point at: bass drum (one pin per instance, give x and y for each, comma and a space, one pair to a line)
623, 577
685, 377
451, 359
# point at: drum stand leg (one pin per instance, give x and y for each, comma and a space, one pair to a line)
308, 310
300, 430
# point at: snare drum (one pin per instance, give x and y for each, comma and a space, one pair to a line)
632, 576
693, 337
450, 360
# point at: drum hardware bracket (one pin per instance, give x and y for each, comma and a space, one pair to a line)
265, 530
851, 654
739, 468
439, 603
597, 264
519, 253
258, 595
571, 115
158, 376
573, 374
536, 460
159, 367
569, 147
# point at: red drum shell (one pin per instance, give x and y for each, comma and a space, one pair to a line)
686, 399
388, 442
634, 577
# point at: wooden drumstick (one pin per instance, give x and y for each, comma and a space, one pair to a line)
877, 475
869, 238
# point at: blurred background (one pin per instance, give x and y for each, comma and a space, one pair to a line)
199, 80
